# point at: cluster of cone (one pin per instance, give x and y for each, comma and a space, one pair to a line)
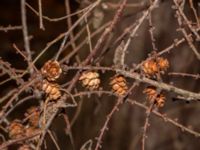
18, 129
51, 71
154, 66
154, 97
91, 81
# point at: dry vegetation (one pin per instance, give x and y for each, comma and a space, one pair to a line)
97, 74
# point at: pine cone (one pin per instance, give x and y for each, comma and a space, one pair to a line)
154, 97
119, 85
51, 70
162, 63
160, 100
153, 67
16, 129
150, 92
90, 80
51, 89
150, 68
33, 115
31, 130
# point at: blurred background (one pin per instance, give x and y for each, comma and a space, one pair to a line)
125, 127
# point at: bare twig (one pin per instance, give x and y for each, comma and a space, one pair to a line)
146, 125
56, 19
109, 116
25, 33
195, 12
9, 103
66, 33
188, 39
54, 140
186, 20
151, 30
140, 21
40, 15
69, 24
166, 119
11, 142
6, 68
195, 76
134, 102
110, 5
10, 28
70, 55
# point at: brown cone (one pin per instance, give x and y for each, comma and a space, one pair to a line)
90, 80
51, 70
51, 89
119, 85
16, 129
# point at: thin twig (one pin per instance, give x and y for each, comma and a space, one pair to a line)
188, 39
110, 5
195, 12
25, 34
23, 55
140, 21
10, 28
57, 19
186, 20
68, 130
146, 125
54, 140
9, 103
109, 116
134, 102
11, 142
165, 118
66, 33
89, 34
151, 30
195, 76
40, 15
69, 24
70, 55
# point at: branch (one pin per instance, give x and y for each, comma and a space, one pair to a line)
25, 33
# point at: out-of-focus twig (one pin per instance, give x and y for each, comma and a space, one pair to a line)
110, 5
195, 12
40, 15
188, 39
25, 34
59, 18
155, 112
10, 28
140, 21
178, 74
186, 20
69, 25
66, 33
109, 116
